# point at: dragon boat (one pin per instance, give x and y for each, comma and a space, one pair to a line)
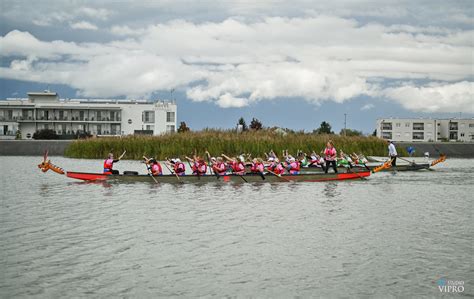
408, 166
132, 176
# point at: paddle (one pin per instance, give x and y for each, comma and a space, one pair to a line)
233, 161
210, 165
197, 170
411, 162
148, 168
121, 156
278, 175
360, 177
172, 172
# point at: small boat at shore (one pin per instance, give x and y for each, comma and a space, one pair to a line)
376, 164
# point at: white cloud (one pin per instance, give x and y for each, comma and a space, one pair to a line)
95, 13
83, 25
367, 107
126, 31
235, 62
435, 97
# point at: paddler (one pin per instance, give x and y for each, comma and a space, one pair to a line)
178, 167
257, 166
293, 166
303, 159
109, 164
199, 166
392, 152
237, 164
344, 161
219, 166
155, 167
275, 166
330, 155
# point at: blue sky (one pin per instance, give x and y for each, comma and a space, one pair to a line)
290, 65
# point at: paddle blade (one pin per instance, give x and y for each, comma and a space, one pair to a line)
45, 156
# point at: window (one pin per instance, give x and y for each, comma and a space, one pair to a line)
170, 128
407, 125
471, 125
398, 125
150, 127
453, 126
418, 126
453, 135
387, 135
462, 134
170, 117
386, 126
149, 116
418, 135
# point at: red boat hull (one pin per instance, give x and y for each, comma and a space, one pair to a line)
86, 176
249, 177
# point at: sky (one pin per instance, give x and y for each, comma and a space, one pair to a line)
291, 64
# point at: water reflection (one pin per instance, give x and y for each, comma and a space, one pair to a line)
330, 190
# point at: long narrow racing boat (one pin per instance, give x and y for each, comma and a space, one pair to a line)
249, 177
132, 176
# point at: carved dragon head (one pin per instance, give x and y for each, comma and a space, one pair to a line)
47, 165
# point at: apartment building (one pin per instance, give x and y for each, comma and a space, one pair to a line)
68, 117
428, 130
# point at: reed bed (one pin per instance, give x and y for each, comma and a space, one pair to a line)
218, 142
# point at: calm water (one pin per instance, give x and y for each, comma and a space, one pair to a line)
393, 234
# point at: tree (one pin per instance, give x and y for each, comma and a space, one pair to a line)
243, 124
324, 128
374, 133
255, 124
183, 128
350, 132
83, 135
18, 134
45, 134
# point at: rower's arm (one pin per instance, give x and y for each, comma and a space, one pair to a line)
189, 159
226, 157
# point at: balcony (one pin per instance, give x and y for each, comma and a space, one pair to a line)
418, 126
453, 126
418, 136
387, 126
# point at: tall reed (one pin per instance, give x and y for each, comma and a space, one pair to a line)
220, 141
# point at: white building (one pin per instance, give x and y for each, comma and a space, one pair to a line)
412, 129
44, 110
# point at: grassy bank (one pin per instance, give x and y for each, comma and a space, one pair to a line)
218, 142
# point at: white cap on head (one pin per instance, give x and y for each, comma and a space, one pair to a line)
177, 160
271, 159
241, 158
213, 158
291, 159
